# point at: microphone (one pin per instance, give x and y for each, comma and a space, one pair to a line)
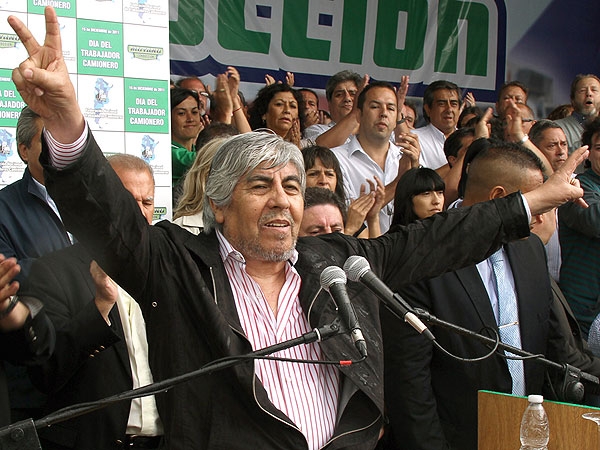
333, 280
358, 269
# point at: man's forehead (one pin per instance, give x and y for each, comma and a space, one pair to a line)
554, 133
443, 94
514, 90
589, 81
382, 94
308, 95
345, 85
194, 84
267, 169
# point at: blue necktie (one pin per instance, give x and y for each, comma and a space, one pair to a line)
508, 320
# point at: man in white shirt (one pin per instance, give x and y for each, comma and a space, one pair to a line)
340, 91
550, 139
370, 154
441, 108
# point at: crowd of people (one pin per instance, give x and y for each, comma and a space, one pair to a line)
268, 193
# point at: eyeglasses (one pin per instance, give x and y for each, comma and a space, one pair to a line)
202, 93
523, 120
264, 130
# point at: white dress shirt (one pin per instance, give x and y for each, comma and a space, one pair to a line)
357, 166
432, 146
143, 414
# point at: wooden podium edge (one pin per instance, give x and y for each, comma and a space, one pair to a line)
499, 422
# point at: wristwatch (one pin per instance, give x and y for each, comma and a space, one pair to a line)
12, 302
401, 121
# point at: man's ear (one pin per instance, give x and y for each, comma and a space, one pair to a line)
427, 109
23, 152
217, 211
497, 192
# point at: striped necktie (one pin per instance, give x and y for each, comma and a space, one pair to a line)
508, 320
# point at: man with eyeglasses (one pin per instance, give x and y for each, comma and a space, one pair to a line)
527, 121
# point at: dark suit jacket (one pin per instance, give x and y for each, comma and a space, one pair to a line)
31, 344
29, 228
569, 346
431, 399
181, 284
90, 361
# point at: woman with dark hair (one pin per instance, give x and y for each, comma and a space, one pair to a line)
323, 170
185, 126
419, 194
280, 108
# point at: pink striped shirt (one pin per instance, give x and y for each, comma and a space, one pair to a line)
306, 393
61, 155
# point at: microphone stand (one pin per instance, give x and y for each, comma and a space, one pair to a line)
23, 435
572, 389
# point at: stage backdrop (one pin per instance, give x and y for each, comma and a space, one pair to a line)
477, 44
117, 54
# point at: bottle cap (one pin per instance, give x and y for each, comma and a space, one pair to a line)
533, 398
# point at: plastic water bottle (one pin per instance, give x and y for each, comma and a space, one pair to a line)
535, 432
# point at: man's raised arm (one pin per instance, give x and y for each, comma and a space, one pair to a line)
43, 81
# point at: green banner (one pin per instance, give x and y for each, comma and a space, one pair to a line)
11, 102
146, 106
100, 47
64, 8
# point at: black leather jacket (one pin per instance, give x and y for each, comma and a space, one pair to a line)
180, 282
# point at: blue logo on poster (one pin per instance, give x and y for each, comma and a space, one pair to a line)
148, 146
100, 98
6, 143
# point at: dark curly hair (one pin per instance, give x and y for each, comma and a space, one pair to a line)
263, 98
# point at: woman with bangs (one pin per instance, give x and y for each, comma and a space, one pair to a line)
419, 194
